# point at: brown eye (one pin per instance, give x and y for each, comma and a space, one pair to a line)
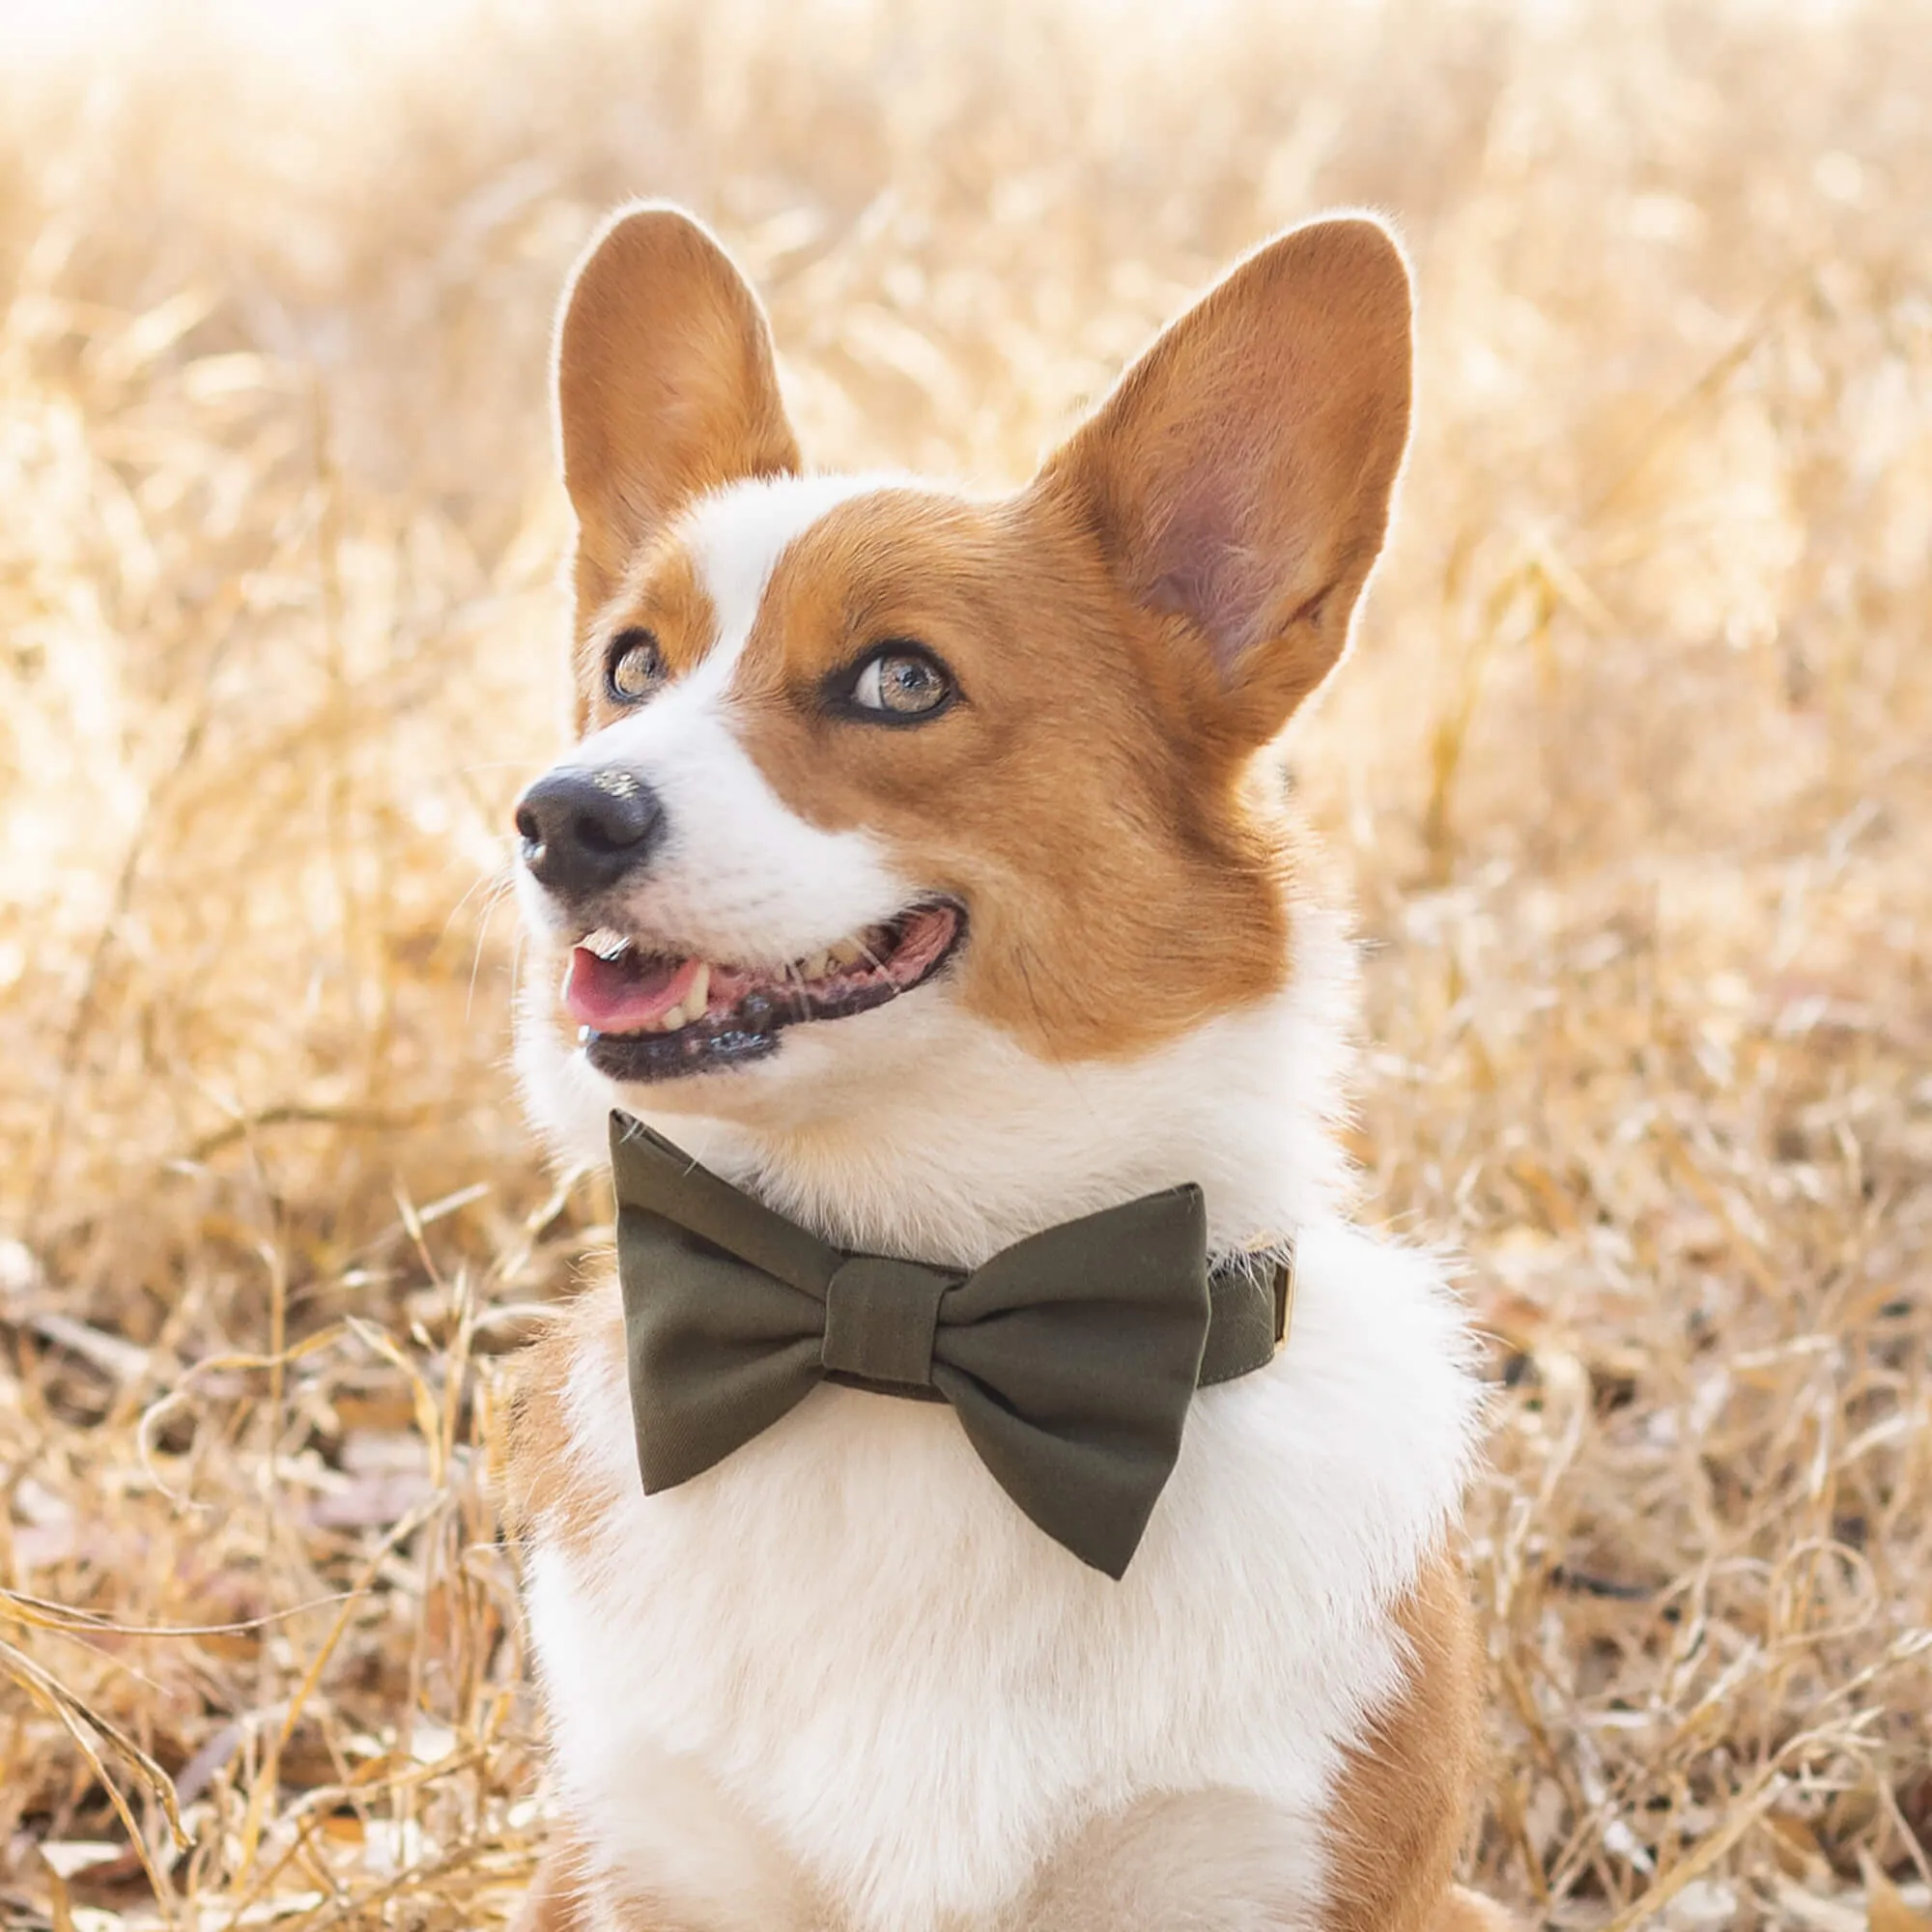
900, 685
635, 666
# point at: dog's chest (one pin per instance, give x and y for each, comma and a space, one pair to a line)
850, 1634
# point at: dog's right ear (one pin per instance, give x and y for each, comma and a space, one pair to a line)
664, 388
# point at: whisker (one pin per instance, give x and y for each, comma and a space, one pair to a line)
500, 891
500, 880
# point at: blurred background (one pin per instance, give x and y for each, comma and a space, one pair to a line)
1629, 774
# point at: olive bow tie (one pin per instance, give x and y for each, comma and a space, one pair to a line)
1069, 1358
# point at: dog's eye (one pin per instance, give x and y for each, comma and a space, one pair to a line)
901, 683
634, 667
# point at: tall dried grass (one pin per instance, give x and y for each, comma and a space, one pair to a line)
1633, 767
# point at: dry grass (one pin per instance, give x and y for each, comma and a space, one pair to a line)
1633, 767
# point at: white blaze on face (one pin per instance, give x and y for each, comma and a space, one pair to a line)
739, 876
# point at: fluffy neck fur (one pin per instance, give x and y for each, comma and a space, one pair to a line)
945, 1142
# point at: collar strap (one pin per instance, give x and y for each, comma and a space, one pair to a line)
1250, 1301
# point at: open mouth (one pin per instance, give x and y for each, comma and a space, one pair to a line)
650, 1016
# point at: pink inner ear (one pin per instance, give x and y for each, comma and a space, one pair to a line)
1207, 566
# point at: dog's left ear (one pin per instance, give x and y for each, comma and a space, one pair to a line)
1239, 478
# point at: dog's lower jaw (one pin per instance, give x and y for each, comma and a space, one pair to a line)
921, 1129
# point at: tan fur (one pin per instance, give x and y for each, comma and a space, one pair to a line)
544, 1488
1054, 728
1398, 1818
555, 1901
664, 388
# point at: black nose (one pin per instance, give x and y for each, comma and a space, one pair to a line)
584, 829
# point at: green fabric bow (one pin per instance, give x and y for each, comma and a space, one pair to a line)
1069, 1358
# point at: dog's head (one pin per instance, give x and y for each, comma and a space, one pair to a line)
868, 772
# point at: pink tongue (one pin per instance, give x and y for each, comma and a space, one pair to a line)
623, 996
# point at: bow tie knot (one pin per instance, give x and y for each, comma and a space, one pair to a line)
881, 1318
1069, 1358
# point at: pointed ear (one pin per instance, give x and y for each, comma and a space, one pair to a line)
1239, 478
665, 387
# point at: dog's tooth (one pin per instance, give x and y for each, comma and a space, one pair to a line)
584, 1035
699, 995
847, 952
817, 966
672, 1020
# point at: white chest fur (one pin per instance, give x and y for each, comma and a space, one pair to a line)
848, 1633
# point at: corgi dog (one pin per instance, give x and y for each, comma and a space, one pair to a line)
922, 870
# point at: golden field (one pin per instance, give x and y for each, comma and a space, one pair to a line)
1632, 772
